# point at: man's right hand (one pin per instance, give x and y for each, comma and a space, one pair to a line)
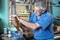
13, 17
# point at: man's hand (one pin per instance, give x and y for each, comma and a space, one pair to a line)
15, 21
14, 16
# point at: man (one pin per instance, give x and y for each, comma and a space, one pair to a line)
41, 22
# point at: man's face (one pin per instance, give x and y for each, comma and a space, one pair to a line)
37, 11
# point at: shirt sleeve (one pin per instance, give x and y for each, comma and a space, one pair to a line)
44, 22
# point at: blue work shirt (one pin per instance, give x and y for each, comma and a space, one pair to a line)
45, 31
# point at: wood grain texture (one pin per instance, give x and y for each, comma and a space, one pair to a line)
16, 23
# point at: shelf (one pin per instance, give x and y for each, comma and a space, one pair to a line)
56, 5
57, 18
23, 14
22, 4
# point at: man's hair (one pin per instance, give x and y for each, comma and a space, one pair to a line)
41, 5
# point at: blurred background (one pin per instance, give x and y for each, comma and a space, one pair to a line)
24, 8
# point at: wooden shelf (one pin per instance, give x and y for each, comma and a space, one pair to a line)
22, 4
23, 14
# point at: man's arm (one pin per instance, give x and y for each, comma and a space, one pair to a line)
29, 25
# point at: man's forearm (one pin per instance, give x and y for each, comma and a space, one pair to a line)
28, 24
